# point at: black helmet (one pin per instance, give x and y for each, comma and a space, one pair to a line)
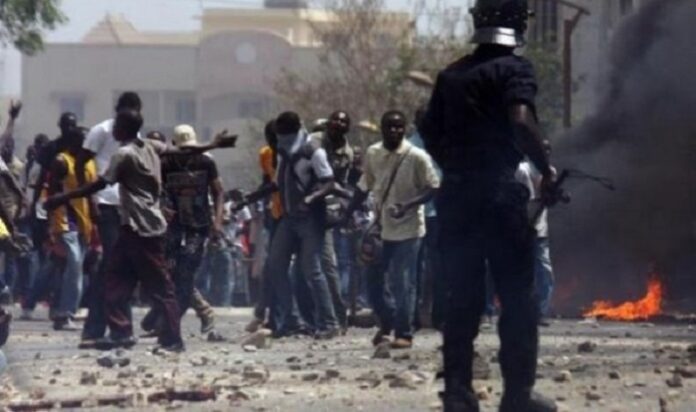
501, 22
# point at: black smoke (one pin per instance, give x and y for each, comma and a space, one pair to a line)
643, 136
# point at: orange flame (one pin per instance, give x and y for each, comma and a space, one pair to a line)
649, 305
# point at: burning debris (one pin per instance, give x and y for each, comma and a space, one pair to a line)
648, 306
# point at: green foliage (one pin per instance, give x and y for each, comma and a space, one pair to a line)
24, 21
549, 70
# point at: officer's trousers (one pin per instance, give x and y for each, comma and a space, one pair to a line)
486, 222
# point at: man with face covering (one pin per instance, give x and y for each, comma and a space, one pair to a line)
304, 178
402, 179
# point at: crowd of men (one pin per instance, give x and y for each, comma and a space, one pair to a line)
118, 209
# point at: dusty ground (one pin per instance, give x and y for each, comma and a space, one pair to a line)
625, 367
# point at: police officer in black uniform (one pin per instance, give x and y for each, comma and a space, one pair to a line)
481, 122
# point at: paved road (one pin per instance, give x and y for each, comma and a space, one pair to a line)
46, 366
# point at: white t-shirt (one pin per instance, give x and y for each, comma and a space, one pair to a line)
529, 176
32, 178
101, 142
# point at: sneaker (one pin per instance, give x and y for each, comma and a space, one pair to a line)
536, 403
87, 344
459, 402
380, 338
27, 314
207, 324
65, 325
149, 322
402, 343
110, 343
80, 315
254, 325
327, 334
215, 336
169, 349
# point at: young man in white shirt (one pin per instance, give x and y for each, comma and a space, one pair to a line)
402, 179
100, 145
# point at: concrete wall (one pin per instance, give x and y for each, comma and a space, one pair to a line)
96, 74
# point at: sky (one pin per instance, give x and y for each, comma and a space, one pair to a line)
166, 15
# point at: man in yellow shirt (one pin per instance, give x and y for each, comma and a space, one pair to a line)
70, 225
268, 160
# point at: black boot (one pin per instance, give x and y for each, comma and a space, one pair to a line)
459, 402
526, 401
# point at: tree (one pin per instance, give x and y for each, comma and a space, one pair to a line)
22, 22
365, 56
549, 69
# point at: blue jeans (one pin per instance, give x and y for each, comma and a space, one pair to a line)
306, 236
221, 279
392, 286
543, 274
71, 284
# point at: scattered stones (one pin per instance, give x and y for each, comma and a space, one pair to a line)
402, 357
483, 393
256, 373
615, 375
89, 378
675, 381
482, 369
200, 361
111, 359
587, 347
332, 373
250, 348
685, 372
369, 379
310, 377
382, 351
406, 379
593, 396
563, 376
260, 339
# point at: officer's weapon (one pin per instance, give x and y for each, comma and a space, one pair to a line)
556, 194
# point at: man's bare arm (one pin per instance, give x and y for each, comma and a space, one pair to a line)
221, 140
15, 109
528, 137
84, 191
218, 203
398, 210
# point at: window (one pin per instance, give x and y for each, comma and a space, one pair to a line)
251, 107
73, 104
544, 26
186, 111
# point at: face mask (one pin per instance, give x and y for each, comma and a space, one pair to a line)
289, 143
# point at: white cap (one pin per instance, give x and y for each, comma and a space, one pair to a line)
184, 135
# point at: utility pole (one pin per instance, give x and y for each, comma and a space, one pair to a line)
569, 26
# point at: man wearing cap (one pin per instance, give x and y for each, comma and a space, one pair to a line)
189, 181
480, 124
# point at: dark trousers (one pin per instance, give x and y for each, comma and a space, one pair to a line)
487, 221
140, 259
267, 300
185, 249
109, 225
